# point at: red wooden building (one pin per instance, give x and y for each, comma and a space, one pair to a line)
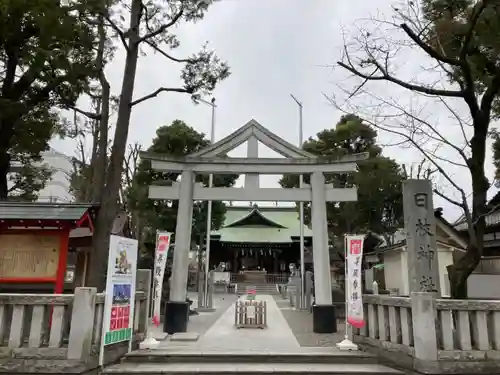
34, 243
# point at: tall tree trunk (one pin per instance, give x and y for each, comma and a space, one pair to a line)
109, 201
459, 272
7, 121
4, 170
100, 163
101, 160
6, 134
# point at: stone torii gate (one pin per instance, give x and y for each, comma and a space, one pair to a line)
213, 159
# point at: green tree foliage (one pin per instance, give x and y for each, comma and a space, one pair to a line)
27, 179
46, 61
453, 23
79, 180
496, 157
153, 24
460, 39
378, 179
464, 36
470, 23
177, 140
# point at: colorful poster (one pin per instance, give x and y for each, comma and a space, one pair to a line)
161, 253
354, 286
120, 290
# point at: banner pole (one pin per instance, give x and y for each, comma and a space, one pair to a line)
346, 285
160, 261
346, 344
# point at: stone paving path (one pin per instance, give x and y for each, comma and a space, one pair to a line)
276, 337
301, 324
288, 330
204, 320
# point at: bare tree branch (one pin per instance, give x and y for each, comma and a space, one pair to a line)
130, 162
162, 28
162, 52
458, 119
116, 28
427, 48
90, 115
387, 77
440, 137
424, 152
160, 90
448, 199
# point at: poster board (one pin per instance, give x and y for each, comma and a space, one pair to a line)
29, 256
119, 304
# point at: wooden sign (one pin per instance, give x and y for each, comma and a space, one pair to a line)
28, 256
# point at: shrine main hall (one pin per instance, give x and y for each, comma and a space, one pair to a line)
259, 238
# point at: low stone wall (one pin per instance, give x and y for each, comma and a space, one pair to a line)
431, 335
46, 333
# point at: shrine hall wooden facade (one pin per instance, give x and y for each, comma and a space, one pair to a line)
259, 238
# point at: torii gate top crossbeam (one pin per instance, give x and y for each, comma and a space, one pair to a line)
252, 129
257, 165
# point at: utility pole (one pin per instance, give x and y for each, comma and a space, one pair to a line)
209, 208
301, 214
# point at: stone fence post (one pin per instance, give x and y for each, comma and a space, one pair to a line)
424, 315
143, 284
82, 323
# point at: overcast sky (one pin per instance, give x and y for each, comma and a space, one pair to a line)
274, 48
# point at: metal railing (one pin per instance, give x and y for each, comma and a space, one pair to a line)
266, 278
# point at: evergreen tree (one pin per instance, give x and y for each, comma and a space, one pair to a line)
378, 179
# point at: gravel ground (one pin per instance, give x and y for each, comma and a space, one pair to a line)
204, 320
301, 324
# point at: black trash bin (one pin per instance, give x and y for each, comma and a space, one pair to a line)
324, 319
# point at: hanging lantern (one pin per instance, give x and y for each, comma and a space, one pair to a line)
261, 252
251, 253
270, 251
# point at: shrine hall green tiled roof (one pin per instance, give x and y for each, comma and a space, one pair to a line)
262, 225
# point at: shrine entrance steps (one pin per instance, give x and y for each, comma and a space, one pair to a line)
224, 350
260, 288
316, 361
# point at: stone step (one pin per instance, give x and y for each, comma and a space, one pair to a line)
259, 288
304, 356
249, 369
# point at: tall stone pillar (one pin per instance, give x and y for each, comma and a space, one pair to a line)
323, 312
420, 228
177, 311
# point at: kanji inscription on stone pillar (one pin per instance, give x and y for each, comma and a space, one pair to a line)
420, 228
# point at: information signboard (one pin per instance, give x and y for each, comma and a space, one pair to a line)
120, 291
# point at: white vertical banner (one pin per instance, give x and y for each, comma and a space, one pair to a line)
354, 282
161, 253
119, 304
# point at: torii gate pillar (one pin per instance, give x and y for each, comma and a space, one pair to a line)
323, 310
177, 311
